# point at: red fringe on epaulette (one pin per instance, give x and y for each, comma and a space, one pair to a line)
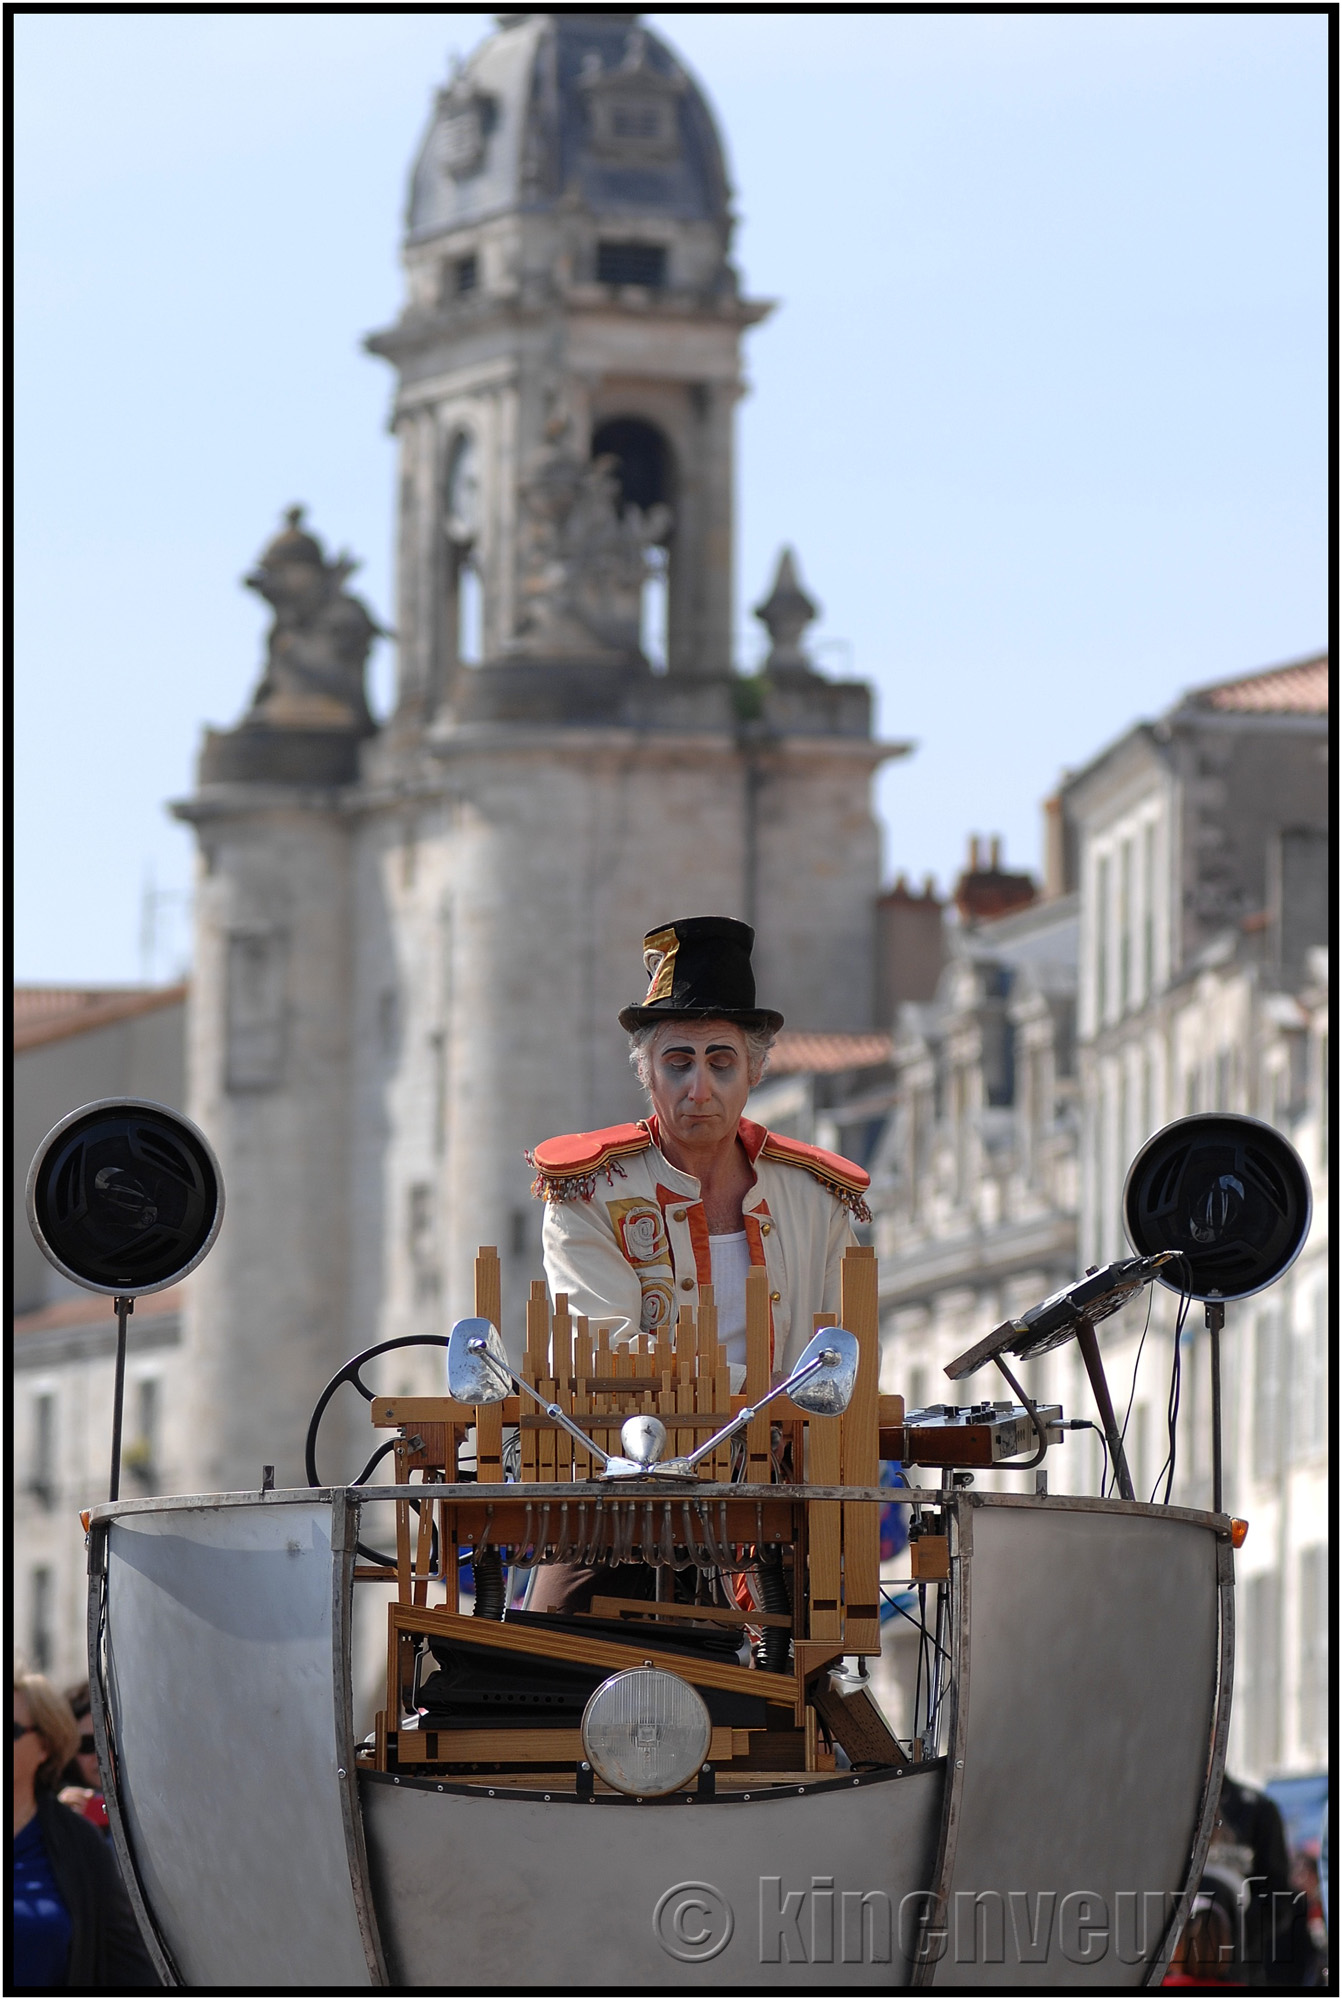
572, 1187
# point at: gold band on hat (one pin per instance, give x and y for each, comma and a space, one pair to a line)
667, 944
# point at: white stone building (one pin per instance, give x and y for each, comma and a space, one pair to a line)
1203, 844
1176, 962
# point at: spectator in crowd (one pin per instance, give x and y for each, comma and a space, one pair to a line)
81, 1781
1206, 1953
72, 1925
1277, 1944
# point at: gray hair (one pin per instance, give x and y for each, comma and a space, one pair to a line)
758, 1042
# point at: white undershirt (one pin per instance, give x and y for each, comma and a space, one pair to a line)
731, 1261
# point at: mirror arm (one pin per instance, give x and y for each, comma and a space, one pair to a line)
552, 1410
739, 1422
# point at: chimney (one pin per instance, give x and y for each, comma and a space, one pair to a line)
910, 946
1059, 848
984, 893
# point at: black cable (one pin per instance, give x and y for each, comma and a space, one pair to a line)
895, 1606
1176, 1390
920, 1622
1089, 1424
1136, 1366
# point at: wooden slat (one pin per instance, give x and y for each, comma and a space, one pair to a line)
547, 1467
447, 1553
715, 1614
857, 1725
824, 1438
538, 1329
489, 1416
808, 1657
535, 1364
757, 1372
561, 1375
778, 1689
412, 1413
722, 1457
859, 1312
711, 1382
601, 1401
582, 1399
522, 1746
685, 1357
400, 1452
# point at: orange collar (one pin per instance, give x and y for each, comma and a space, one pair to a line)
752, 1137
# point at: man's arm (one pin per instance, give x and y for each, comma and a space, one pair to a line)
583, 1259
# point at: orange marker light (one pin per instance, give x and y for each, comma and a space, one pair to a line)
1238, 1530
85, 1516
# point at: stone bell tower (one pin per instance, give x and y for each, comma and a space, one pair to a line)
455, 902
569, 296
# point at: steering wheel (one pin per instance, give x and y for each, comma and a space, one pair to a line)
350, 1373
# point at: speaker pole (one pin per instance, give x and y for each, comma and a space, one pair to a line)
124, 1307
1090, 1354
1216, 1319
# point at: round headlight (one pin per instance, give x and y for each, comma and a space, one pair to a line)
646, 1732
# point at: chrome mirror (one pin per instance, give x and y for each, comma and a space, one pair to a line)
477, 1366
822, 1381
479, 1371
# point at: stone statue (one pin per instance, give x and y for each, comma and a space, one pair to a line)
584, 559
318, 646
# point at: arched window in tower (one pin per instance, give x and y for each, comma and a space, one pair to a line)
647, 479
461, 526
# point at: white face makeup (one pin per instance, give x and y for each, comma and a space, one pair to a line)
699, 1079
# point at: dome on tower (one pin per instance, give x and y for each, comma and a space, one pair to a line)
581, 108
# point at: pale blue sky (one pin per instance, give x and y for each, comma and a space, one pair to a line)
1043, 409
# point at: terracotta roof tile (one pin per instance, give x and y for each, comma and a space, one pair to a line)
1301, 688
50, 1013
85, 1308
827, 1053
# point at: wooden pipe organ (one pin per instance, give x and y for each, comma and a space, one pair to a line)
785, 1509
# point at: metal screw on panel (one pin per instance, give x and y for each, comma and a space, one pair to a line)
959, 1763
340, 1771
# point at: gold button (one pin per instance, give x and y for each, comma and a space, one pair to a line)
687, 1284
765, 1227
775, 1296
677, 1215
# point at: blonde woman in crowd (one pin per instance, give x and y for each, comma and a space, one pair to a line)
73, 1926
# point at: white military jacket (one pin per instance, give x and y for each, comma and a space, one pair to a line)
626, 1236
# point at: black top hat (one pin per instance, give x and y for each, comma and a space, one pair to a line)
699, 969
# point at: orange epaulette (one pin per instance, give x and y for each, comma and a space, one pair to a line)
567, 1167
846, 1181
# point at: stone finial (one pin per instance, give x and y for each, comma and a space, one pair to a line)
785, 614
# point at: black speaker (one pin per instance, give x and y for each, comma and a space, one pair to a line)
1229, 1193
125, 1197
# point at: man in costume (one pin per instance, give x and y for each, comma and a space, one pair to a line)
639, 1216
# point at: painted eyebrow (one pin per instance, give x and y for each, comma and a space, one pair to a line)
713, 1049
